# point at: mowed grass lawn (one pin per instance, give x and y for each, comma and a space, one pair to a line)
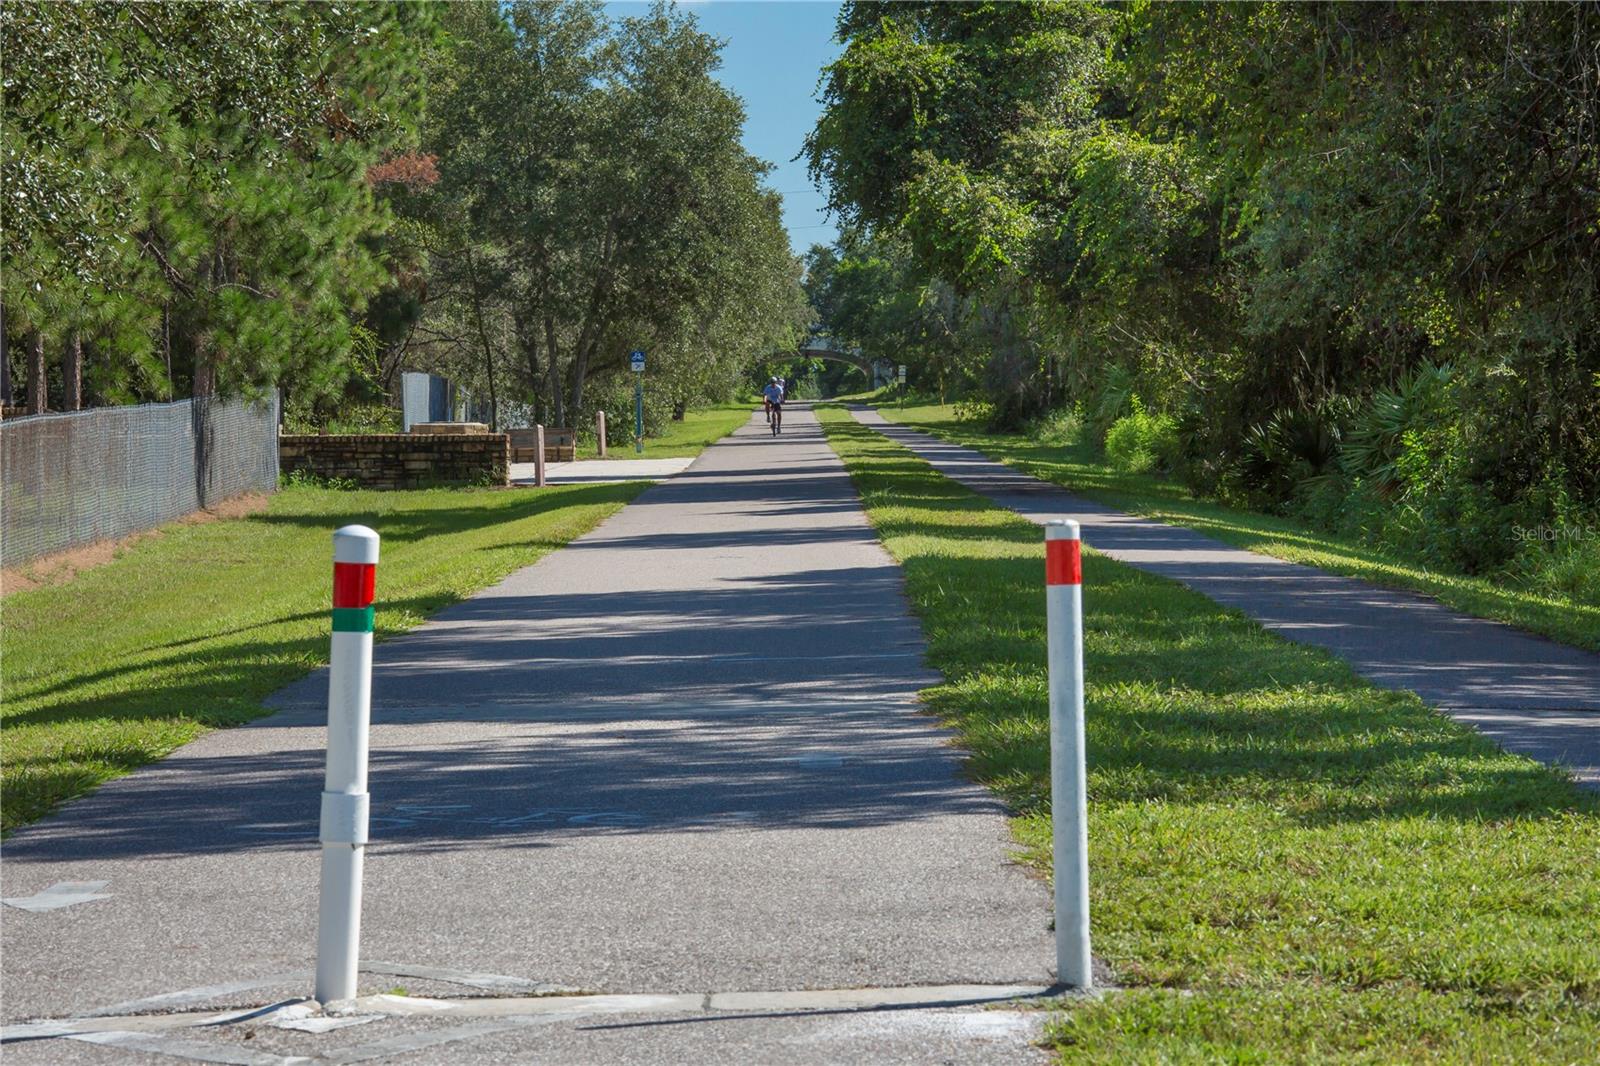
1287, 864
1081, 469
190, 629
698, 429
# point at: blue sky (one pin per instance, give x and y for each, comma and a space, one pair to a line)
775, 51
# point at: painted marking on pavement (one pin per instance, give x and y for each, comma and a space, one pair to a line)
280, 1015
872, 998
408, 1042
140, 1023
39, 1030
190, 997
326, 1023
570, 815
496, 1014
388, 1003
607, 818
816, 762
184, 1049
410, 816
526, 1006
491, 981
718, 704
308, 829
61, 894
722, 657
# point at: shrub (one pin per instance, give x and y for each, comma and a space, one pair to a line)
350, 417
1143, 441
305, 478
1376, 442
980, 411
1063, 426
366, 418
1293, 455
1569, 566
1113, 397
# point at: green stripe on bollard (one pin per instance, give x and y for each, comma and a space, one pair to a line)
352, 619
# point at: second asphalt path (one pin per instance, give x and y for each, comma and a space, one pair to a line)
1530, 695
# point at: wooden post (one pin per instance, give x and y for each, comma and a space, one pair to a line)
538, 457
600, 431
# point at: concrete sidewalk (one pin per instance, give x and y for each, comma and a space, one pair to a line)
682, 755
1532, 695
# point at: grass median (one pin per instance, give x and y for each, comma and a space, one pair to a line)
190, 629
1079, 468
1287, 864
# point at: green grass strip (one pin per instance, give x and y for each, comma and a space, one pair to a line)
191, 629
1079, 468
680, 439
1287, 864
353, 619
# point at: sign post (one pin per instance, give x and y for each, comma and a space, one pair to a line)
902, 376
636, 359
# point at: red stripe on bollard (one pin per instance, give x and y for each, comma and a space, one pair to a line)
354, 584
1063, 564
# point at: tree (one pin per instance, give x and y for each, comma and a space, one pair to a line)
597, 165
1268, 221
932, 117
189, 181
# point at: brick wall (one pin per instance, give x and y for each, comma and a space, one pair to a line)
399, 460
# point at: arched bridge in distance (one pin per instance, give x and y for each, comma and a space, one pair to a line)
878, 371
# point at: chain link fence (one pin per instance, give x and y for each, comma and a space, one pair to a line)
72, 479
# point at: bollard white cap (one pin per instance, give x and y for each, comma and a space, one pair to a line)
1061, 529
355, 544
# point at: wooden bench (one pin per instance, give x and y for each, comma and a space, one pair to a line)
560, 445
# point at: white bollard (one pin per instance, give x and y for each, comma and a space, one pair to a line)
344, 795
600, 431
538, 456
1068, 795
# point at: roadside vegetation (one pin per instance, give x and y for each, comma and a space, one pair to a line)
1264, 249
1059, 450
674, 439
123, 664
1287, 864
314, 198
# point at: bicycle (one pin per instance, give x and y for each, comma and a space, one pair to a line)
776, 418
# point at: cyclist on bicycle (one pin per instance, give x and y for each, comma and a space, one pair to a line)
772, 397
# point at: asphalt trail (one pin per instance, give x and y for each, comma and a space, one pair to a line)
682, 754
